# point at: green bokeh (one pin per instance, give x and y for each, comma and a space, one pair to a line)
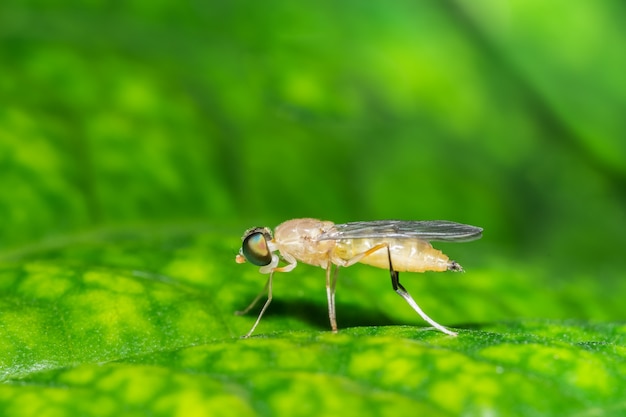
489, 113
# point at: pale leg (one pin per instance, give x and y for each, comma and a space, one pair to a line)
398, 288
402, 292
331, 284
268, 286
256, 300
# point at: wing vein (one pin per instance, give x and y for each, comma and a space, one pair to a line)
431, 230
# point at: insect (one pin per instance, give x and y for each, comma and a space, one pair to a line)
391, 244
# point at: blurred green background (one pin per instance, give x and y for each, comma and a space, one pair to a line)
507, 115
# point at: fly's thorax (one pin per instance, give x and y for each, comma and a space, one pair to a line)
411, 255
299, 238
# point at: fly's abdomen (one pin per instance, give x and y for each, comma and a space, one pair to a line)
410, 255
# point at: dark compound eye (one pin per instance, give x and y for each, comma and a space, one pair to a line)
255, 250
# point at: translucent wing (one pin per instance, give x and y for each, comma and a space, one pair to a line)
431, 230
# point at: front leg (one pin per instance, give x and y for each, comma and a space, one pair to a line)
268, 269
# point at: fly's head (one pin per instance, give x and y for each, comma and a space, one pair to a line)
257, 248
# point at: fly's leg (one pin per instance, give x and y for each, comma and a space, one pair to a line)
256, 299
402, 292
331, 284
395, 282
268, 288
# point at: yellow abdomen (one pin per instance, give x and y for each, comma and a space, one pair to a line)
407, 255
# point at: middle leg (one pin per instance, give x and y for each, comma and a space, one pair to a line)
331, 284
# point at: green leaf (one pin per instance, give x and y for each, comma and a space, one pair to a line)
481, 372
87, 329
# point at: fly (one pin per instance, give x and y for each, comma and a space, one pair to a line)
399, 246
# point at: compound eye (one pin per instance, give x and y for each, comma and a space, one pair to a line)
255, 250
